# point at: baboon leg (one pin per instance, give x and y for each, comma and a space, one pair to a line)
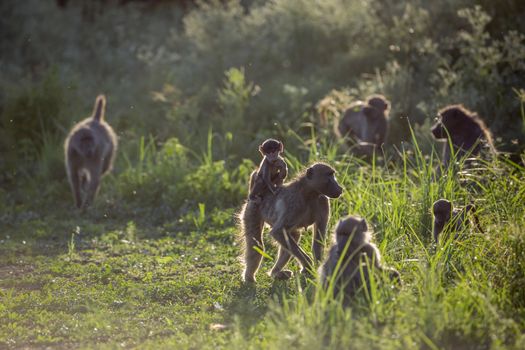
252, 226
319, 236
253, 179
283, 258
93, 185
258, 188
278, 233
106, 164
74, 180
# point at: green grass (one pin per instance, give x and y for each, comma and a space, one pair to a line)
124, 275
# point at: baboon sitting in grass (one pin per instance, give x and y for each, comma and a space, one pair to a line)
450, 219
89, 151
468, 134
352, 259
365, 124
298, 204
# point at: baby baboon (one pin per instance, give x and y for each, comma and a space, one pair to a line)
352, 259
365, 123
468, 134
90, 149
272, 170
453, 219
298, 204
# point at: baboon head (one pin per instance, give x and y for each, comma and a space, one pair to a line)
442, 210
321, 178
352, 227
380, 103
271, 149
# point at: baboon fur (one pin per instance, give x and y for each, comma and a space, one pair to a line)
365, 123
298, 204
89, 153
452, 219
352, 259
468, 134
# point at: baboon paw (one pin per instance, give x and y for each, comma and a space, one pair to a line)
282, 274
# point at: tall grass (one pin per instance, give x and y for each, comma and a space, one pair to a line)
464, 293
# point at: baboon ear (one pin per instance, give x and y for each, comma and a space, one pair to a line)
309, 173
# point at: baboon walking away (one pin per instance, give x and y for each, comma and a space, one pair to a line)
298, 204
89, 151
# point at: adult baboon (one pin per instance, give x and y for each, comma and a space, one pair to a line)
468, 134
352, 258
89, 149
272, 170
365, 123
298, 204
453, 219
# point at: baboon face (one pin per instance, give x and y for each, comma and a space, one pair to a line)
448, 123
321, 177
271, 147
442, 210
351, 226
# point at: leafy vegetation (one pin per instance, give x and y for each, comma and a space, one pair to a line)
191, 92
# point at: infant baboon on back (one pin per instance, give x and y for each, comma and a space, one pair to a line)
453, 219
272, 170
352, 258
365, 123
297, 205
468, 134
89, 149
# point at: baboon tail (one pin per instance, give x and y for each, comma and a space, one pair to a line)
100, 108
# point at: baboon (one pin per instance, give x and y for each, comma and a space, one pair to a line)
454, 219
365, 123
298, 204
352, 258
89, 149
468, 134
272, 170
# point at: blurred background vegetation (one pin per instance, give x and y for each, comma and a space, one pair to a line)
194, 86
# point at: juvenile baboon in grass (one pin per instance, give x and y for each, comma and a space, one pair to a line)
272, 170
468, 134
352, 258
452, 219
298, 204
89, 149
366, 123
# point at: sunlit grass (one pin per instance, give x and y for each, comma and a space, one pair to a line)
72, 280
